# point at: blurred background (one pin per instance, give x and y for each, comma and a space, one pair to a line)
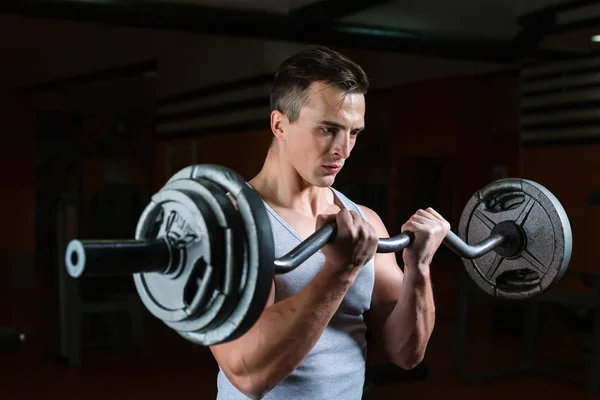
102, 101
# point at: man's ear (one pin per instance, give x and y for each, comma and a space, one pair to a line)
278, 123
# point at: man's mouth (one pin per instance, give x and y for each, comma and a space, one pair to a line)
333, 168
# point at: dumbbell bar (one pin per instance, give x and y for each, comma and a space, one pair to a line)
204, 266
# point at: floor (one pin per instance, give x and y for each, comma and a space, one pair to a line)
179, 370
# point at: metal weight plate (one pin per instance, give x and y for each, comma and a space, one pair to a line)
234, 270
186, 221
545, 252
234, 238
233, 275
257, 268
225, 260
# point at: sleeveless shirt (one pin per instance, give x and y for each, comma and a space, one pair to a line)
335, 367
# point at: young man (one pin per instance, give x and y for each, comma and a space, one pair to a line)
309, 343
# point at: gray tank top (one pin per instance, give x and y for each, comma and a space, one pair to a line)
335, 367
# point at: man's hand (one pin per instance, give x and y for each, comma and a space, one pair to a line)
430, 229
354, 245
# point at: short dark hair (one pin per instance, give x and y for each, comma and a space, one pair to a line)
314, 64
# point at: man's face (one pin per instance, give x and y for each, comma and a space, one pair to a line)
320, 141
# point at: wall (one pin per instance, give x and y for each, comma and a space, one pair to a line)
186, 66
467, 125
38, 50
244, 152
19, 278
570, 172
51, 49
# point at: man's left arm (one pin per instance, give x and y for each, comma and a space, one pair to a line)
402, 313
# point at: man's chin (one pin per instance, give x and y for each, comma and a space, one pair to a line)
324, 181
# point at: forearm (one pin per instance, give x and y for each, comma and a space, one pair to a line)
285, 333
409, 326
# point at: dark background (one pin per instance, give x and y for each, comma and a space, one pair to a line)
101, 102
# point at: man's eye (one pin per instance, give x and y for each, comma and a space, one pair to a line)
330, 130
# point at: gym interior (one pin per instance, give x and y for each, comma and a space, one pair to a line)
103, 102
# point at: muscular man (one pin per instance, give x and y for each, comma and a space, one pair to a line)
309, 342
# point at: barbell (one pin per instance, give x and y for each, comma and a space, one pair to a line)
203, 264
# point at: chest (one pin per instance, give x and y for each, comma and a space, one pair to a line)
301, 224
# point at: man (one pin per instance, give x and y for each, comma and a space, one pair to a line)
309, 342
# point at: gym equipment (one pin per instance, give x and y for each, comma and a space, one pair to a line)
203, 254
538, 250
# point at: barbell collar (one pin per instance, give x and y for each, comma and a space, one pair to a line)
117, 257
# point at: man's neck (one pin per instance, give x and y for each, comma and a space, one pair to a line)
281, 186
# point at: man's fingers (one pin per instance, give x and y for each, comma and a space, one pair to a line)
422, 219
435, 214
356, 217
428, 214
323, 219
445, 223
432, 215
412, 226
344, 219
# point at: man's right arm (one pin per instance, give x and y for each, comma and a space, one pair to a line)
283, 335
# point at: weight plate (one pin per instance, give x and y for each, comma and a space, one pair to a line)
223, 298
235, 270
258, 265
543, 222
234, 235
185, 220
